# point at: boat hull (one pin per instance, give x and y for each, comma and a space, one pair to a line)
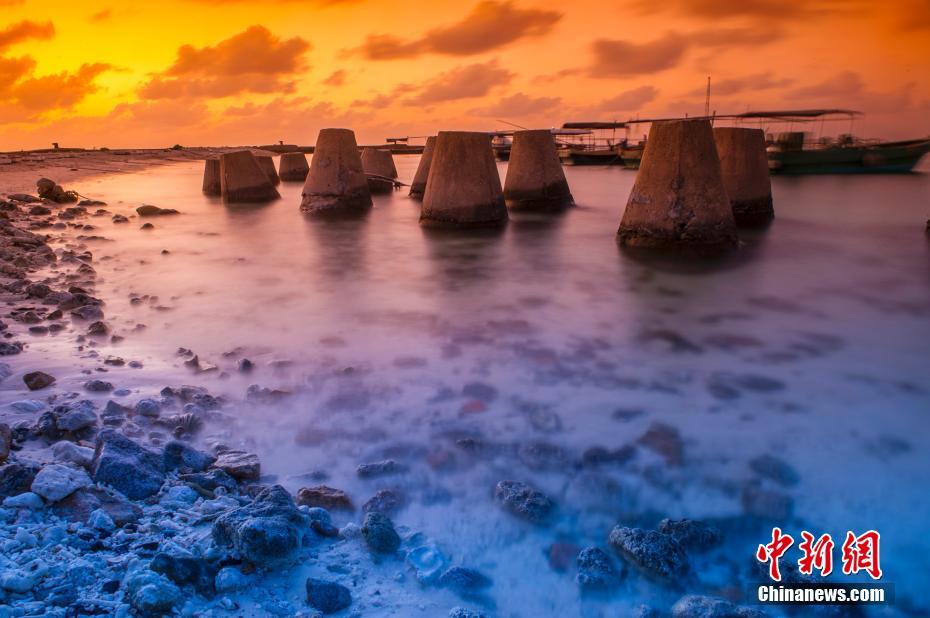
888, 158
591, 157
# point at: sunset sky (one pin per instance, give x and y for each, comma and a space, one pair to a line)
233, 72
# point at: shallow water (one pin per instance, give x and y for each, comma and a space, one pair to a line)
541, 342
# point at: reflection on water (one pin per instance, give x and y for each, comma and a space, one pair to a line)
475, 358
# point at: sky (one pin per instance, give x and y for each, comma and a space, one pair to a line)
236, 72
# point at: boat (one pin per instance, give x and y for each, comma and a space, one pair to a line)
502, 141
596, 143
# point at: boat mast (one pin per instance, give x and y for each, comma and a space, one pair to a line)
707, 99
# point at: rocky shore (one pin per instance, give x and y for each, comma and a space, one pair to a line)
120, 509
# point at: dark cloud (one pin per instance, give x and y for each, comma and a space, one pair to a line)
769, 10
12, 70
624, 58
254, 60
102, 16
735, 85
842, 85
491, 24
464, 82
630, 100
23, 31
518, 105
336, 78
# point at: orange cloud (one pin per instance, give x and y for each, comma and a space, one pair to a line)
754, 82
102, 16
254, 60
518, 104
23, 31
630, 100
60, 90
336, 78
490, 25
12, 70
464, 82
624, 58
765, 9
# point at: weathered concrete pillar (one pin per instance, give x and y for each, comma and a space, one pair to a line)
464, 188
211, 177
678, 200
267, 165
378, 162
243, 180
745, 168
535, 180
336, 183
293, 167
418, 186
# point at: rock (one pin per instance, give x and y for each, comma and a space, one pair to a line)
12, 349
595, 570
88, 312
75, 417
380, 468
464, 581
693, 536
147, 210
379, 533
98, 386
428, 562
239, 465
148, 407
152, 594
24, 579
6, 442
328, 597
461, 612
385, 501
766, 504
268, 532
326, 497
524, 501
656, 555
55, 481
17, 477
80, 505
178, 455
699, 606
25, 500
50, 190
37, 380
775, 469
28, 406
98, 329
99, 520
183, 568
70, 453
664, 440
127, 467
211, 480
230, 579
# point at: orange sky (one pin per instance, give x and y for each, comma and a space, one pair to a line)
212, 72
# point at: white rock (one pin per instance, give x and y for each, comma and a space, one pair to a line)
69, 452
27, 500
56, 482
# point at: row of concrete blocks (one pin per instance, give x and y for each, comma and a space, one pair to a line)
695, 184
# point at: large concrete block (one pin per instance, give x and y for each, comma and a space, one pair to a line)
336, 183
535, 180
744, 165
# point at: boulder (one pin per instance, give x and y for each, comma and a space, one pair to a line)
535, 179
336, 183
379, 533
180, 456
464, 188
17, 477
70, 453
693, 536
464, 581
326, 497
239, 465
678, 201
700, 606
126, 466
293, 167
595, 570
37, 380
55, 482
328, 597
6, 442
148, 210
656, 555
151, 594
524, 501
268, 532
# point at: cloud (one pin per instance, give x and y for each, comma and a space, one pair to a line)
613, 58
254, 60
23, 31
630, 100
101, 16
59, 90
735, 85
464, 82
491, 24
336, 78
12, 70
517, 105
768, 10
842, 85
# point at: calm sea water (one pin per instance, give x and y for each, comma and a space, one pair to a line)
539, 343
